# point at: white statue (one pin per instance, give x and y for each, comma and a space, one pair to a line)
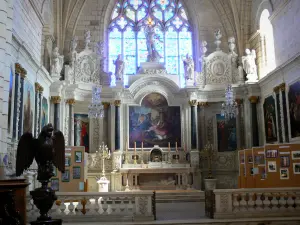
87, 39
249, 65
120, 67
189, 66
218, 36
73, 53
153, 55
57, 62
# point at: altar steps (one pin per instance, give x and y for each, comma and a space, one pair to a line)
179, 196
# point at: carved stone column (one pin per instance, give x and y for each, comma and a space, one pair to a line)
56, 101
201, 124
20, 124
255, 138
283, 103
193, 104
70, 103
117, 104
40, 109
239, 128
17, 101
104, 133
37, 112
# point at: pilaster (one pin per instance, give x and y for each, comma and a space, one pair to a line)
55, 100
117, 104
193, 104
201, 124
70, 114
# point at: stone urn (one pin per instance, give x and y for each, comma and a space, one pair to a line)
210, 183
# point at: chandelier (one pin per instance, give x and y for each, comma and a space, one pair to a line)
96, 109
229, 108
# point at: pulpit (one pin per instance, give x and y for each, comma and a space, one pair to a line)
13, 201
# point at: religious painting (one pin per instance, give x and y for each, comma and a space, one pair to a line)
226, 134
76, 172
28, 110
78, 157
294, 106
65, 177
10, 102
284, 161
81, 129
270, 120
154, 123
44, 121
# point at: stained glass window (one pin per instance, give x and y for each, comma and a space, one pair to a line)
127, 37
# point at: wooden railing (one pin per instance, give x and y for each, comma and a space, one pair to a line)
265, 202
95, 206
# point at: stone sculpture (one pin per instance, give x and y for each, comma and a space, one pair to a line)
151, 36
120, 67
249, 65
189, 66
87, 39
57, 62
73, 53
48, 150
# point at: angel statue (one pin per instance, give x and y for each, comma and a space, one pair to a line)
249, 65
57, 62
48, 150
189, 66
151, 36
120, 67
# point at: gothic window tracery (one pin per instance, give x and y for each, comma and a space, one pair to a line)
127, 37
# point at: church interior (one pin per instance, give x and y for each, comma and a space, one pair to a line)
182, 106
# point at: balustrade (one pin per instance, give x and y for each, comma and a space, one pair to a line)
266, 202
95, 206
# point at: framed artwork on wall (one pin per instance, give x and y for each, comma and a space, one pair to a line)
67, 161
226, 134
272, 167
76, 172
295, 155
28, 108
284, 161
270, 119
65, 177
78, 157
296, 168
294, 109
271, 153
81, 130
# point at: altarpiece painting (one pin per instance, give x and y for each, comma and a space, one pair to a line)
154, 123
270, 120
81, 129
294, 106
226, 134
28, 107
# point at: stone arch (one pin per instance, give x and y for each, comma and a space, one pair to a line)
265, 4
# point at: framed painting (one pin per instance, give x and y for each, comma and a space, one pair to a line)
67, 161
76, 172
65, 177
154, 123
28, 109
78, 157
226, 134
45, 108
270, 120
294, 107
81, 130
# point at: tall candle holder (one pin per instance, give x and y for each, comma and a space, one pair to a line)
104, 153
208, 154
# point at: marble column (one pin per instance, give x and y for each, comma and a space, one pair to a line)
70, 103
37, 108
17, 96
278, 113
201, 124
117, 104
193, 104
255, 136
283, 106
239, 128
40, 109
56, 101
20, 124
105, 131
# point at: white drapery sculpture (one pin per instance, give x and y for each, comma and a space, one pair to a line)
57, 62
120, 67
189, 66
249, 65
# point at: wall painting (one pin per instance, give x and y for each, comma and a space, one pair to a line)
45, 110
270, 119
81, 130
226, 134
294, 106
154, 123
28, 107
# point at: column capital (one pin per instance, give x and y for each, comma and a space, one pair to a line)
203, 104
276, 89
239, 101
55, 99
18, 68
282, 87
193, 102
23, 73
106, 105
253, 99
117, 102
41, 89
37, 86
70, 101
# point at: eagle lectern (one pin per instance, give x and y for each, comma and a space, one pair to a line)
48, 150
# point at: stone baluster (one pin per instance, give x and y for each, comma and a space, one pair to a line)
56, 101
20, 124
117, 104
255, 138
70, 103
193, 104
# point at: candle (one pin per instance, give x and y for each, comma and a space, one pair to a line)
169, 147
176, 146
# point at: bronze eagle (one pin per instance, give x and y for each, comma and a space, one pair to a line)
48, 150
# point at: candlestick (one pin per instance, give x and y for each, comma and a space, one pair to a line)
176, 146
